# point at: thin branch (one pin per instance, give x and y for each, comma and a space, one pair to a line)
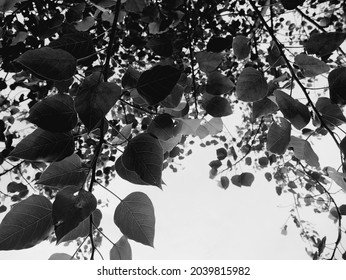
13, 167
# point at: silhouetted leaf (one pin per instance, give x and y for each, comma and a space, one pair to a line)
323, 44
72, 206
143, 155
303, 151
42, 145
218, 84
342, 209
297, 113
251, 85
94, 99
83, 229
268, 176
292, 4
161, 46
274, 57
219, 44
241, 46
221, 153
55, 113
67, 172
130, 78
263, 107
224, 181
48, 63
162, 127
121, 250
246, 179
135, 6
26, 224
60, 256
337, 85
310, 65
331, 113
279, 136
174, 98
135, 218
236, 180
155, 84
338, 177
208, 61
14, 187
217, 107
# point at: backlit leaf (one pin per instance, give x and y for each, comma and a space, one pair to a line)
218, 84
303, 151
251, 85
331, 113
241, 46
279, 136
323, 44
210, 128
26, 224
42, 145
48, 63
162, 127
208, 61
155, 84
161, 46
337, 85
310, 65
218, 107
72, 206
94, 99
263, 107
338, 177
121, 250
55, 113
143, 155
67, 172
135, 218
174, 98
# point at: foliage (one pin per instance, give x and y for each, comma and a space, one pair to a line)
118, 88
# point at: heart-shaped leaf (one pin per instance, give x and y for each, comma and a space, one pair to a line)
251, 85
208, 61
48, 63
67, 172
55, 113
155, 84
26, 224
42, 145
72, 206
303, 151
162, 127
323, 44
279, 136
143, 155
310, 65
94, 99
217, 107
121, 250
135, 218
241, 46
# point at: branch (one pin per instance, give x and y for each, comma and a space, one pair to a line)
291, 69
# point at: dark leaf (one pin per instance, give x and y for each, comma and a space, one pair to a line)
72, 206
26, 224
42, 145
218, 84
60, 257
215, 164
135, 6
337, 85
217, 107
303, 151
342, 209
297, 113
55, 113
251, 85
292, 4
268, 176
263, 107
130, 78
121, 250
161, 46
236, 180
143, 155
135, 218
94, 99
331, 113
224, 181
274, 57
241, 46
155, 84
323, 44
219, 44
3, 208
310, 65
162, 127
16, 187
279, 136
174, 98
246, 179
48, 63
208, 61
221, 153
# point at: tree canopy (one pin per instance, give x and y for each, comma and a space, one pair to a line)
95, 89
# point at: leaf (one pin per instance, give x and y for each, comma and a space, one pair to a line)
42, 145
161, 46
337, 85
174, 98
94, 100
218, 84
135, 218
130, 78
297, 113
155, 84
55, 113
210, 128
251, 85
323, 44
48, 63
310, 65
67, 172
121, 250
143, 155
279, 136
246, 179
187, 126
85, 24
292, 4
208, 61
236, 180
303, 151
342, 209
219, 44
263, 107
78, 44
338, 177
221, 153
72, 206
224, 181
83, 229
274, 57
217, 107
162, 127
60, 256
26, 224
6, 5
14, 187
168, 145
331, 113
135, 6
241, 47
